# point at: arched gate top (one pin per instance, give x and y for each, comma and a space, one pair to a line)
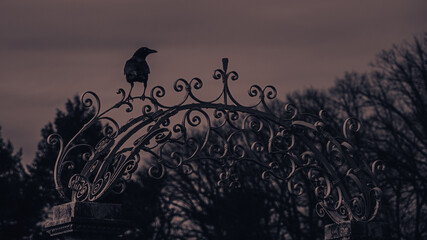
284, 143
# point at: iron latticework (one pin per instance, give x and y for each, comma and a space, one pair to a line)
286, 144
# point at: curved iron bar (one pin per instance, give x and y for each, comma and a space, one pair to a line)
286, 145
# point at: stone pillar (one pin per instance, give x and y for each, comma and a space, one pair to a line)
86, 220
356, 231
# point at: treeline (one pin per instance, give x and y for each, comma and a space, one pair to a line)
390, 100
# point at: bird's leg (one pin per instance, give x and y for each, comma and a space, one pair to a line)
129, 97
143, 94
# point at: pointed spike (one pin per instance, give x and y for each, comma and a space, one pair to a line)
225, 64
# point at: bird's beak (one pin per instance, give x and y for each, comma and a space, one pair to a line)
152, 51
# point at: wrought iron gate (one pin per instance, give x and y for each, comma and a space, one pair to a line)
284, 143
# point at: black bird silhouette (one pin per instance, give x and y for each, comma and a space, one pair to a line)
137, 70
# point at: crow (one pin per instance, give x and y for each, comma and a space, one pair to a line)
137, 70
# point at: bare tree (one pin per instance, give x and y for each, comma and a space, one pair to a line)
392, 102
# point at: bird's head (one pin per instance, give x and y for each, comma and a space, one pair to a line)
143, 52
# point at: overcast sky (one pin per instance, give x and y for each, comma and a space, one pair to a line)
51, 50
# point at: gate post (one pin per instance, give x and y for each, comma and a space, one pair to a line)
86, 220
356, 231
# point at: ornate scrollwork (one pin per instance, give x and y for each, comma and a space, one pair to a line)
287, 145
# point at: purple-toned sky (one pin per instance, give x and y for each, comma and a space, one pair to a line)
51, 50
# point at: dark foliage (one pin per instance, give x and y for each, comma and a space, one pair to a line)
392, 102
13, 205
41, 191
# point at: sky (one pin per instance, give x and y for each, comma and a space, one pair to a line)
51, 50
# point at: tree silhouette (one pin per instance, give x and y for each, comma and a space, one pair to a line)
13, 205
41, 191
142, 207
391, 100
258, 209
